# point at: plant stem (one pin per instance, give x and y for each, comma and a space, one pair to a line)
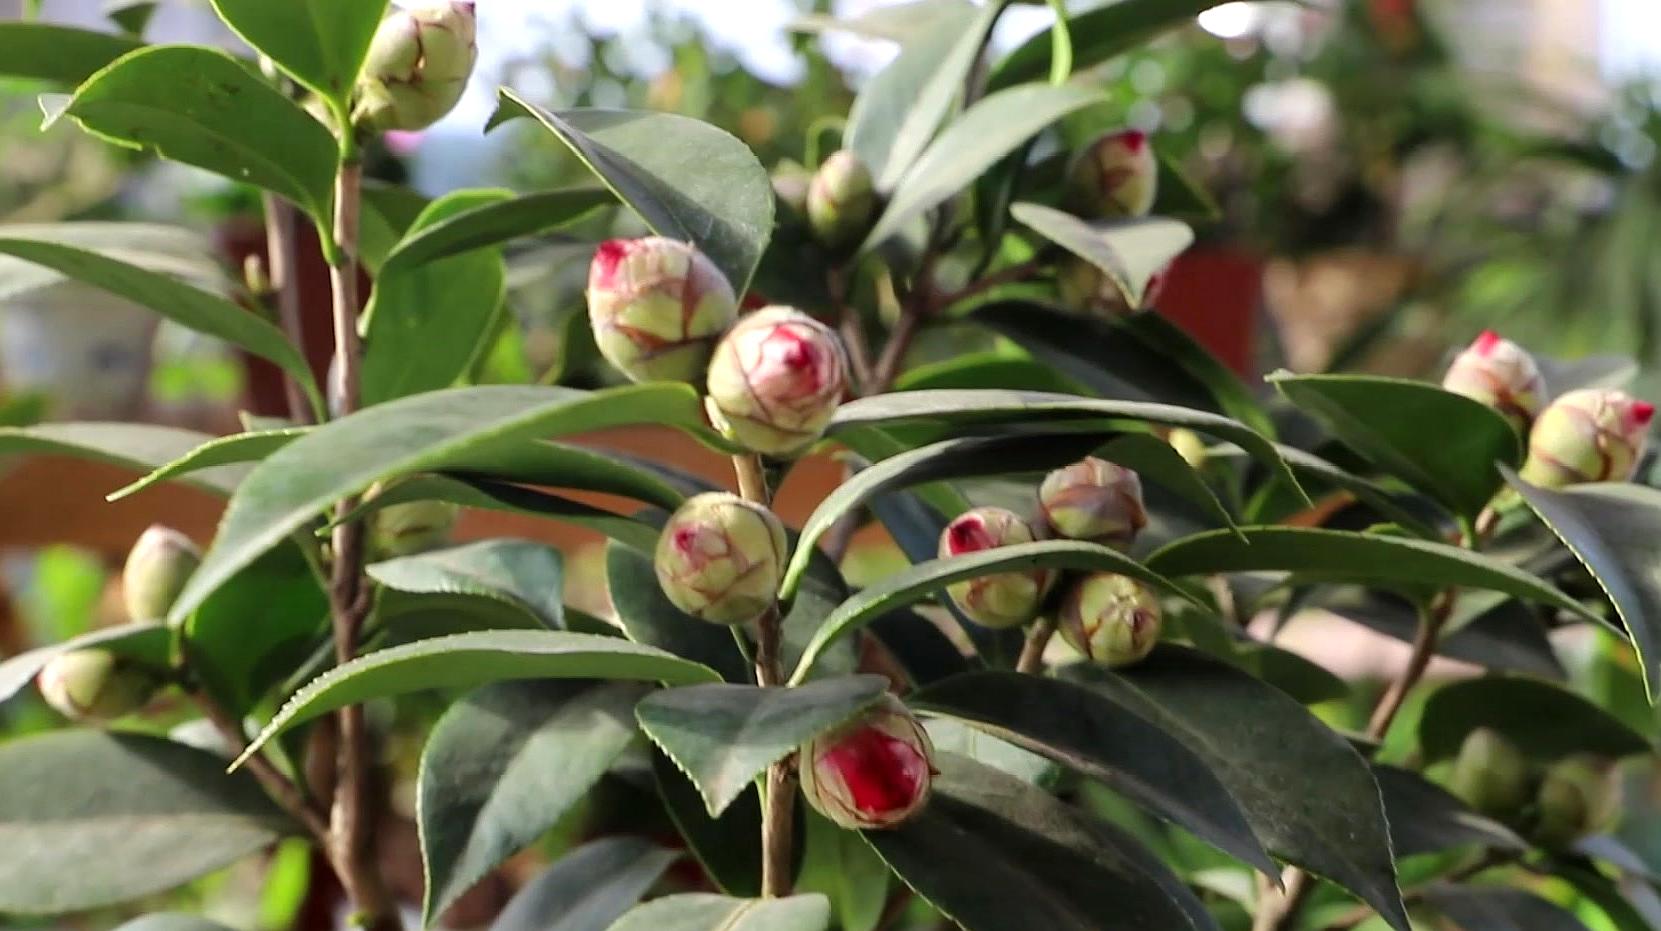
280, 268
1032, 652
853, 334
1010, 275
282, 790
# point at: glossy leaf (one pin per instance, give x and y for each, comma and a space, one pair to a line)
320, 43
1388, 504
219, 451
501, 496
839, 865
252, 633
588, 888
703, 911
60, 54
475, 659
524, 575
504, 764
145, 643
495, 223
92, 819
729, 847
1425, 818
722, 736
1497, 908
1509, 638
1129, 252
1098, 35
650, 618
566, 465
173, 251
1544, 720
687, 179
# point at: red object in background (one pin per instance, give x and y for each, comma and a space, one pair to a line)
1214, 294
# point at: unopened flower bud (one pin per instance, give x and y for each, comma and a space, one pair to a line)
1112, 619
1490, 774
1002, 599
1082, 286
657, 306
776, 379
95, 685
1579, 796
1095, 500
1499, 373
1115, 176
842, 200
412, 527
1190, 446
1589, 435
417, 67
720, 558
157, 569
872, 772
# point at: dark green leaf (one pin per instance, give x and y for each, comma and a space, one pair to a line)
524, 575
729, 847
1425, 818
1129, 252
1388, 504
144, 643
171, 921
1099, 35
501, 496
1509, 638
1496, 908
494, 223
1619, 903
702, 911
1544, 720
588, 888
1307, 682
648, 616
320, 43
841, 866
219, 451
563, 465
252, 633
60, 54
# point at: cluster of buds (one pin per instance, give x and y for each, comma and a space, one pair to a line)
1499, 373
412, 527
1115, 176
1491, 775
157, 568
1111, 619
841, 200
1569, 799
1589, 435
776, 379
417, 67
1094, 500
873, 772
1002, 599
1578, 796
720, 558
657, 306
95, 685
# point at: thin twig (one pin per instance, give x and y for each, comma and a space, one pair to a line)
1011, 275
853, 332
282, 790
281, 267
1032, 651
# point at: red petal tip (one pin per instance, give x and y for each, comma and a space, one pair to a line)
1486, 341
606, 258
1133, 139
1642, 412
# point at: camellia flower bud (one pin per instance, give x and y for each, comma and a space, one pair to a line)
720, 558
842, 200
1115, 176
1490, 774
1499, 373
157, 569
417, 67
1111, 619
95, 685
776, 379
413, 527
1003, 599
657, 307
873, 772
1096, 500
1579, 796
1589, 435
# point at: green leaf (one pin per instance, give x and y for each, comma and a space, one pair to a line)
494, 223
1496, 908
1098, 35
996, 854
648, 617
427, 322
1152, 331
475, 659
841, 866
1101, 737
1129, 252
524, 575
421, 433
320, 43
1351, 556
1618, 903
564, 465
990, 129
1426, 818
729, 847
501, 496
702, 911
171, 921
145, 643
205, 108
503, 765
1544, 720
219, 451
588, 888
1384, 420
897, 22
175, 300
1305, 790
252, 633
92, 819
60, 54
1509, 638
922, 580
687, 179
1615, 532
721, 736
176, 252
1387, 503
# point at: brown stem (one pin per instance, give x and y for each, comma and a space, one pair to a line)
282, 790
893, 352
853, 334
1032, 651
280, 261
1010, 275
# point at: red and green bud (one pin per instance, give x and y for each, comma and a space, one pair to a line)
95, 685
1589, 435
412, 527
1002, 599
1095, 500
1115, 176
1580, 795
417, 67
657, 306
873, 772
1499, 373
720, 558
1111, 619
157, 568
1491, 775
842, 200
776, 379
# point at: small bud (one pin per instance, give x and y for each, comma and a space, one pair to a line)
417, 67
157, 568
657, 307
1115, 176
1085, 288
776, 379
720, 558
790, 184
1190, 446
1095, 500
1589, 435
95, 685
1579, 796
873, 772
1499, 373
1111, 619
1003, 599
1490, 775
413, 527
842, 200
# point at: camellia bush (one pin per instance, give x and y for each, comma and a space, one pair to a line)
950, 304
